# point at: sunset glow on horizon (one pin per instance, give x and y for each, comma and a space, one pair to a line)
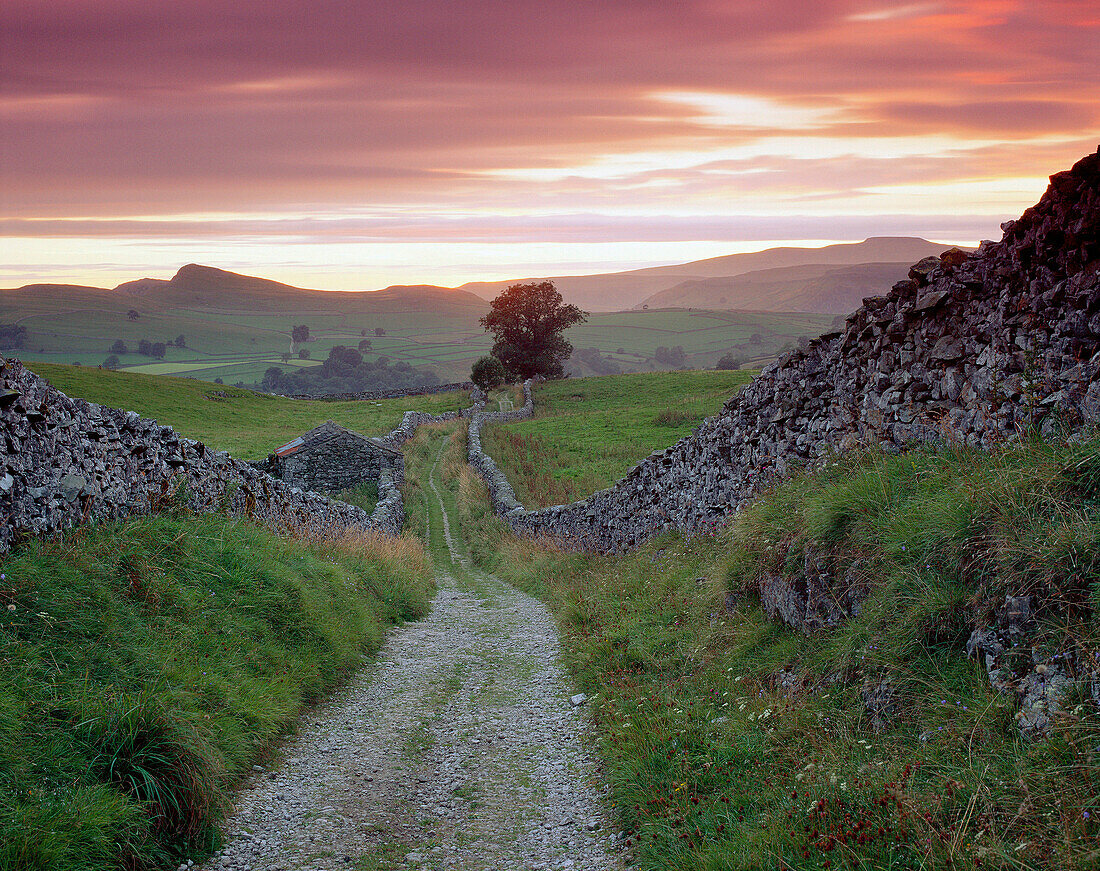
353, 145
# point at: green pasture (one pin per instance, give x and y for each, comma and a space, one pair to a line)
249, 425
79, 325
588, 432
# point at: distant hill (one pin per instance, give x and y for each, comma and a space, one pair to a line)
207, 287
814, 288
622, 290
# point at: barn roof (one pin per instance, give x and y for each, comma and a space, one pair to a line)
321, 435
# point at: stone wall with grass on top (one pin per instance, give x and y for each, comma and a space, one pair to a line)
66, 461
973, 347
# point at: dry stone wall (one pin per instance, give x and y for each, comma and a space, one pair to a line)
972, 346
65, 461
501, 493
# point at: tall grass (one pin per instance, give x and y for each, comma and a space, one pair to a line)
145, 666
735, 742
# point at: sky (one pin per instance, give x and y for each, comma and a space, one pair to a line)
344, 144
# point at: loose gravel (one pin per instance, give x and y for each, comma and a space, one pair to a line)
459, 748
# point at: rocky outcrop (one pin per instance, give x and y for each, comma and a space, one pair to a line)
973, 347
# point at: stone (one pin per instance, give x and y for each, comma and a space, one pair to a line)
947, 349
578, 700
71, 486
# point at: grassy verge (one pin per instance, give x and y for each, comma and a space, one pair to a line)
588, 432
363, 495
145, 666
249, 425
733, 741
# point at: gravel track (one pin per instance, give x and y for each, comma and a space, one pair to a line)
457, 749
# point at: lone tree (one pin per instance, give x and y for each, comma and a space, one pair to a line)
527, 322
487, 373
299, 334
132, 314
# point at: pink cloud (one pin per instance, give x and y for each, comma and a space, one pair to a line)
121, 108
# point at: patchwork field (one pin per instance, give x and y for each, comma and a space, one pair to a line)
249, 425
235, 338
588, 432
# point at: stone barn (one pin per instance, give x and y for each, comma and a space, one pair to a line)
330, 458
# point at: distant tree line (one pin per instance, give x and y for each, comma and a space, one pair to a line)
597, 362
730, 361
13, 336
346, 370
671, 356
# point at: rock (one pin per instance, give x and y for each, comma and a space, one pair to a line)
578, 700
71, 486
948, 349
878, 700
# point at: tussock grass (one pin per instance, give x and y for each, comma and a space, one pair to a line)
145, 666
735, 742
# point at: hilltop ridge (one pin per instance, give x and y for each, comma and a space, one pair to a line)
648, 286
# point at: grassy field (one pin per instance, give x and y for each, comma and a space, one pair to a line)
588, 432
238, 338
734, 742
124, 754
248, 425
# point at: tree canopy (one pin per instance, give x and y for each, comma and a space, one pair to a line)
487, 373
527, 322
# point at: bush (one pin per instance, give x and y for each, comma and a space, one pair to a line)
112, 362
487, 373
729, 361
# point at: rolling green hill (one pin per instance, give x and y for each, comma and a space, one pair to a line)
236, 326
